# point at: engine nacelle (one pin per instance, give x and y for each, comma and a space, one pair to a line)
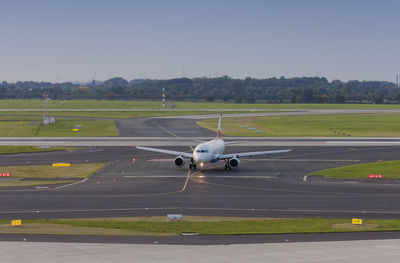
234, 163
180, 161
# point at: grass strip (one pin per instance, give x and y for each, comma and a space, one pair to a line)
31, 149
47, 171
122, 114
58, 229
61, 128
389, 169
234, 227
335, 125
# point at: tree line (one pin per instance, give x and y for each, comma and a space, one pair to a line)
248, 90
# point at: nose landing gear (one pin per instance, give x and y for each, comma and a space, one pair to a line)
192, 165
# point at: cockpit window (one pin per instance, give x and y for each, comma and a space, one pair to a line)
202, 151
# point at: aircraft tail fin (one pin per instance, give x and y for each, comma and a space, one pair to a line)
219, 126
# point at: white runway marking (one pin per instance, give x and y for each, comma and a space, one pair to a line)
363, 142
63, 186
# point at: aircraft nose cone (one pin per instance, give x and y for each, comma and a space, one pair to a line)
199, 158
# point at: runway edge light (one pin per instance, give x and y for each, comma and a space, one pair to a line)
356, 221
16, 222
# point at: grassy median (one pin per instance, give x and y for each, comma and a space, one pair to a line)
39, 175
61, 128
122, 114
31, 149
389, 169
206, 226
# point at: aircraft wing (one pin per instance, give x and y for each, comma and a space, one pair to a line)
184, 154
228, 143
238, 155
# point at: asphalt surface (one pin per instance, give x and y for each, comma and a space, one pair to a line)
138, 183
152, 185
204, 240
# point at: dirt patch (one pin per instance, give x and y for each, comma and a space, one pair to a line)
59, 229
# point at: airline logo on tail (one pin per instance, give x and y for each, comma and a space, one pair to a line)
219, 126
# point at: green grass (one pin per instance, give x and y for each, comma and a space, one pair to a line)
336, 125
58, 229
234, 227
117, 114
79, 171
62, 128
17, 129
41, 175
30, 149
89, 128
126, 104
389, 169
4, 117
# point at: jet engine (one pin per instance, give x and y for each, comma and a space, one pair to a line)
234, 163
180, 161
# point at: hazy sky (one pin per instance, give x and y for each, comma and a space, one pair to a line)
70, 40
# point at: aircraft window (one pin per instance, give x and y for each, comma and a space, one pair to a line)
202, 151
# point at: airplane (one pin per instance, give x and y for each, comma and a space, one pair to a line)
210, 152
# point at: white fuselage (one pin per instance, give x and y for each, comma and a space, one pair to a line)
208, 151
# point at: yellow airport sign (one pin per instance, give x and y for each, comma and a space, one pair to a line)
75, 129
356, 221
61, 164
16, 222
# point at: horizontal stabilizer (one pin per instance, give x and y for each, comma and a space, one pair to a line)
228, 143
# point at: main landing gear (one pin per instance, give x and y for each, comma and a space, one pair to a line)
227, 167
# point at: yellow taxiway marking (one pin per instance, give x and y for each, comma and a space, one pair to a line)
164, 176
186, 182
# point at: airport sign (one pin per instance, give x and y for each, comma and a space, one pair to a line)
174, 217
375, 176
356, 221
75, 129
16, 222
61, 164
